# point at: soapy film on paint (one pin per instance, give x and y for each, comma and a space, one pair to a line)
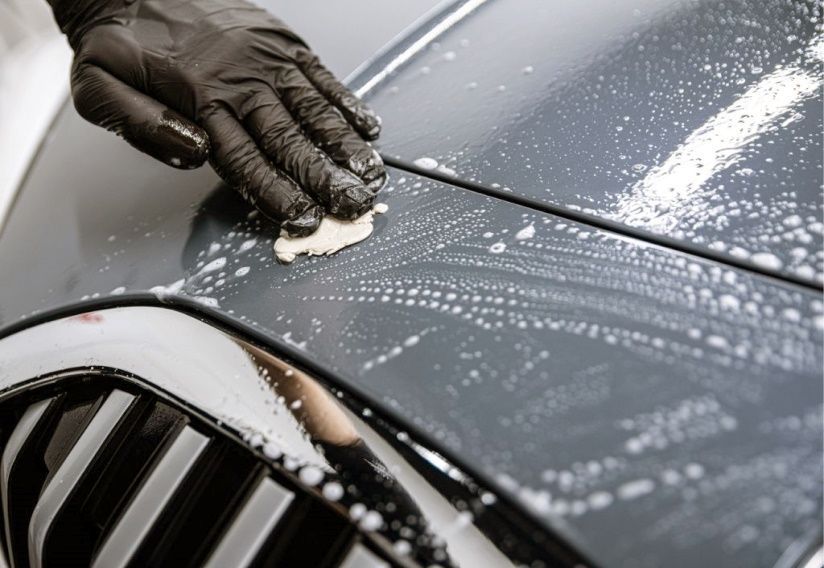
332, 235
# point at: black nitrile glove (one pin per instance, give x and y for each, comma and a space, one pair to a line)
185, 79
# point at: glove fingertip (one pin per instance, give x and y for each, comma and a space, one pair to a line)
304, 224
169, 138
377, 181
370, 126
186, 144
374, 171
352, 202
361, 116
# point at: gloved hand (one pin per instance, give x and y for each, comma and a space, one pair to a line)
183, 80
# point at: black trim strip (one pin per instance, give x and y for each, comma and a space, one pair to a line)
605, 224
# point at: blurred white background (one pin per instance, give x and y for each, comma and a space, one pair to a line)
34, 63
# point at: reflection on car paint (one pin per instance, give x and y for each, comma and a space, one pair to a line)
696, 119
355, 476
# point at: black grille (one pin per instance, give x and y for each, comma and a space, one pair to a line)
97, 471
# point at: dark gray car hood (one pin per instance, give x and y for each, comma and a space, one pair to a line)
653, 407
699, 120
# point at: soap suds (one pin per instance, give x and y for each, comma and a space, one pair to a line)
332, 235
767, 260
526, 233
426, 163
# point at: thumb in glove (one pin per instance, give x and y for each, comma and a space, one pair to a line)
145, 123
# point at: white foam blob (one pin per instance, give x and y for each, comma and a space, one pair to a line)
333, 491
767, 260
371, 521
526, 233
426, 163
310, 475
331, 236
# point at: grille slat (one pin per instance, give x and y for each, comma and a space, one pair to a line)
202, 509
295, 543
21, 434
256, 520
102, 473
362, 557
68, 475
147, 505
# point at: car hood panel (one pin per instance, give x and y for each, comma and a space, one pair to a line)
652, 406
695, 119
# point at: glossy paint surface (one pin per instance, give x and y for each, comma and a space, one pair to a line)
695, 119
650, 406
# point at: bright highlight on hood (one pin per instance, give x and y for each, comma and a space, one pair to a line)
659, 200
